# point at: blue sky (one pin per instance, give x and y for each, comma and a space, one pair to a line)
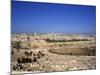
50, 17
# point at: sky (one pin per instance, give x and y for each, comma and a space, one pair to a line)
29, 17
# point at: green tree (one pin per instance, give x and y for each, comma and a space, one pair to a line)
28, 40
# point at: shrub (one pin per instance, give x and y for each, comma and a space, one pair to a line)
16, 45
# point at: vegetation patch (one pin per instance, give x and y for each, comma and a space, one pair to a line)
75, 51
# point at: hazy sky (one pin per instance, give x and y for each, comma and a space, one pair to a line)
47, 17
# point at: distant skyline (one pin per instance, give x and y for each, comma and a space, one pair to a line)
52, 17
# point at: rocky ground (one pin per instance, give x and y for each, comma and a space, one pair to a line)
54, 62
